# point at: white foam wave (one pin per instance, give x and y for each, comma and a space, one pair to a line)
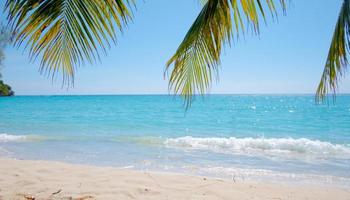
271, 146
12, 138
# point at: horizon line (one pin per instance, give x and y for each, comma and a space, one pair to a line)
164, 94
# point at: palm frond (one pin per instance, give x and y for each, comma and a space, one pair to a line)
5, 38
65, 33
196, 60
337, 60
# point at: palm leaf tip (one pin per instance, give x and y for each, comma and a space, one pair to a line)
337, 60
195, 63
66, 33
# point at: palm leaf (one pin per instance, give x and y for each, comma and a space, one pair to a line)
195, 63
337, 59
65, 33
4, 40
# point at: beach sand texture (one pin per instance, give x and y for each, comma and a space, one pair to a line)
28, 180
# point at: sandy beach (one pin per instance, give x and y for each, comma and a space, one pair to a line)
22, 179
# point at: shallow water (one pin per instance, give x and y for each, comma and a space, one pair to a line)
228, 136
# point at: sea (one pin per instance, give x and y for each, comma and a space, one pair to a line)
282, 138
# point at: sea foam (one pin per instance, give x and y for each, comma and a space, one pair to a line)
270, 146
12, 138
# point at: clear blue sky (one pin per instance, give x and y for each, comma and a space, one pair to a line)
287, 57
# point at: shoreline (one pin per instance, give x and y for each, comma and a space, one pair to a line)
24, 179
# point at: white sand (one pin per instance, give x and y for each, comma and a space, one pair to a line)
53, 180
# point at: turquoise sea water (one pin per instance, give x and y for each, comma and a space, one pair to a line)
228, 136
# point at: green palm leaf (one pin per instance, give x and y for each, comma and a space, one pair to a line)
195, 63
65, 33
337, 59
4, 40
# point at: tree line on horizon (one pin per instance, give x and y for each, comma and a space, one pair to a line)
65, 34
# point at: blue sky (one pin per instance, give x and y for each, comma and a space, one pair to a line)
287, 57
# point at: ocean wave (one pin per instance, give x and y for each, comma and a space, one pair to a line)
270, 146
12, 138
4, 137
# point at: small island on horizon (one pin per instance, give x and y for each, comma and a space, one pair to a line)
5, 90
